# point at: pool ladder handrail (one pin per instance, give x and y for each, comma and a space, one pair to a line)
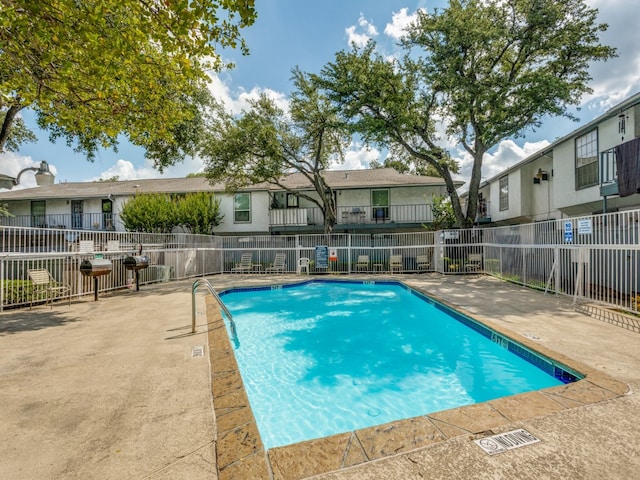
205, 282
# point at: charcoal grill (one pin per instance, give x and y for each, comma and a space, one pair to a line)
95, 268
136, 263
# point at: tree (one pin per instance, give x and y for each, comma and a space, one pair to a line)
487, 69
199, 212
17, 134
423, 170
95, 70
196, 212
149, 213
443, 216
265, 144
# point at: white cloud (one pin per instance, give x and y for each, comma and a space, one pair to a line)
126, 170
618, 78
399, 22
358, 157
363, 32
280, 99
235, 102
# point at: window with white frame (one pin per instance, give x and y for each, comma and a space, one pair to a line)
242, 208
587, 159
504, 193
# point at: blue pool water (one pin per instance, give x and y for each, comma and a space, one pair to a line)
328, 357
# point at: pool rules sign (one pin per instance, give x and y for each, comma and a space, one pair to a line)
506, 441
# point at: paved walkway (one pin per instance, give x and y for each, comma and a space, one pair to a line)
117, 389
107, 389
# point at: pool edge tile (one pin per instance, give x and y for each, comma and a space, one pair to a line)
526, 405
239, 449
475, 418
320, 455
398, 437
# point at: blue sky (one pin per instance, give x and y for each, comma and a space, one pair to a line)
307, 34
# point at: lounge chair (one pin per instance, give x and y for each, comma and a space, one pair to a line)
474, 262
43, 282
362, 263
245, 265
395, 263
423, 262
303, 264
278, 264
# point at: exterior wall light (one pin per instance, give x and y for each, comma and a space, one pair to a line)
540, 175
42, 173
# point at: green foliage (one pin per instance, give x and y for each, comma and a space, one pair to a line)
4, 210
17, 291
443, 215
199, 212
98, 69
265, 144
487, 69
161, 213
17, 134
150, 213
423, 170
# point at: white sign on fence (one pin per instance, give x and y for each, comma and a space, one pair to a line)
585, 227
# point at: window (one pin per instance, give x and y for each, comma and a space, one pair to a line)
292, 200
587, 159
504, 193
284, 200
380, 204
38, 213
242, 208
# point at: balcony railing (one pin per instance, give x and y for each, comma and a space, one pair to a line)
412, 214
80, 221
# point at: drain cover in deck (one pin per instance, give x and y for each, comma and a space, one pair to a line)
506, 441
197, 351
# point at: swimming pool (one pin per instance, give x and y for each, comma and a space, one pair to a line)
325, 357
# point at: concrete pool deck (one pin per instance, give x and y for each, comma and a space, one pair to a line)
120, 388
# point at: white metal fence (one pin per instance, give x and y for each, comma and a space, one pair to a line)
594, 258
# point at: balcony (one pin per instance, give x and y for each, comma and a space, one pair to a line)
392, 216
80, 221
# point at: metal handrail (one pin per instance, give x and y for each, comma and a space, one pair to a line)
205, 282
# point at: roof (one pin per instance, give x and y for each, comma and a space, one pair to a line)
337, 179
104, 189
377, 177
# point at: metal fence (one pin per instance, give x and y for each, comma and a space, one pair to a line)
594, 258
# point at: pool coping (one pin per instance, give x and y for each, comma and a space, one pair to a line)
239, 449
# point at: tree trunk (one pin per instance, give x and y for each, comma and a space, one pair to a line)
7, 123
474, 184
329, 212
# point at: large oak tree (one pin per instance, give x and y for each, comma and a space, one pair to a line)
94, 70
266, 143
486, 69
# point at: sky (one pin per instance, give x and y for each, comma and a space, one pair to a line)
307, 34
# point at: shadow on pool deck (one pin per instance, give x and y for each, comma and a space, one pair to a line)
117, 389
